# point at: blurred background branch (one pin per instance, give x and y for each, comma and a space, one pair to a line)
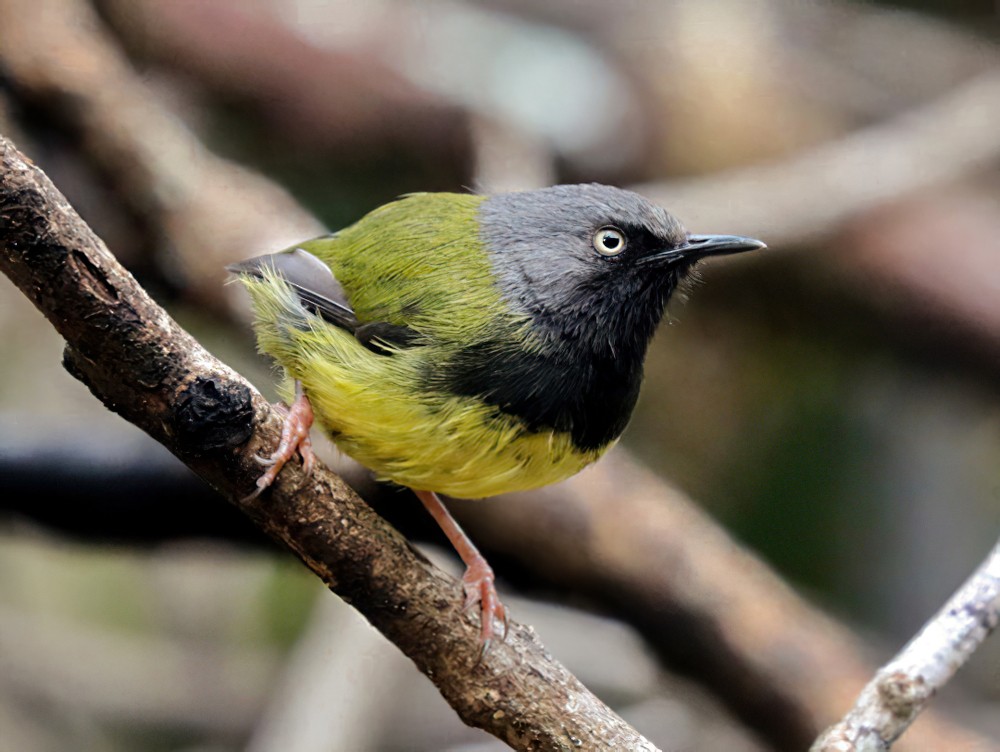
820, 403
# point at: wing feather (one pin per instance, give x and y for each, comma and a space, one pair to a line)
321, 294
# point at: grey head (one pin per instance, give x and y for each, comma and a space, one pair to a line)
592, 265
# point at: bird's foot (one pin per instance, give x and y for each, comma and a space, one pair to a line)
479, 588
294, 439
478, 578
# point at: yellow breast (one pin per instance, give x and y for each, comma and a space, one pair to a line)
457, 446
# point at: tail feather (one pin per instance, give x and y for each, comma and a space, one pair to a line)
312, 281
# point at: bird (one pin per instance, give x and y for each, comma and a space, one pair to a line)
470, 344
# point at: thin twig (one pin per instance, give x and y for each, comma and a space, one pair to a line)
143, 366
905, 685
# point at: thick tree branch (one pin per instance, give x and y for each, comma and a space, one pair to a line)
140, 364
704, 602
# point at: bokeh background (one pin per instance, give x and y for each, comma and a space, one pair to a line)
831, 402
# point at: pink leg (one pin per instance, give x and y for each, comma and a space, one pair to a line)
478, 578
294, 438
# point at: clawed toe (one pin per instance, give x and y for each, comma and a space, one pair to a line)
294, 440
504, 616
262, 484
479, 589
307, 455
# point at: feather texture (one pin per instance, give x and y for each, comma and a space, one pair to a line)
476, 345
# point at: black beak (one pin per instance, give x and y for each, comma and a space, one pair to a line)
700, 246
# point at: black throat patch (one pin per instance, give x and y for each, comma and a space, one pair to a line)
589, 398
581, 375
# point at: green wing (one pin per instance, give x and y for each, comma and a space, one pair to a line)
419, 263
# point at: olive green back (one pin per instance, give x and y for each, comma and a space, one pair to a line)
419, 262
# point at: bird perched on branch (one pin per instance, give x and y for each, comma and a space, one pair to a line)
473, 345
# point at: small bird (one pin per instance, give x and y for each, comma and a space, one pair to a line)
472, 345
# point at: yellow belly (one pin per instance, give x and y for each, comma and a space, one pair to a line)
377, 413
453, 445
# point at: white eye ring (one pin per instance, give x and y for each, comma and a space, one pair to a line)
609, 241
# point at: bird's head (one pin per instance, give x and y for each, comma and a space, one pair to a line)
592, 265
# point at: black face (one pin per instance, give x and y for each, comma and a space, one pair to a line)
617, 296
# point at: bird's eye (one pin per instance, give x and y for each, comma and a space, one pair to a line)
609, 241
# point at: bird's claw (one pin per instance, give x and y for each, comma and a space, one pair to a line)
308, 458
294, 440
478, 583
254, 494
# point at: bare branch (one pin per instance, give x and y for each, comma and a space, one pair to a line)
812, 193
143, 366
905, 685
212, 211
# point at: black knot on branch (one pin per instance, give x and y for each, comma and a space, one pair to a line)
213, 413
